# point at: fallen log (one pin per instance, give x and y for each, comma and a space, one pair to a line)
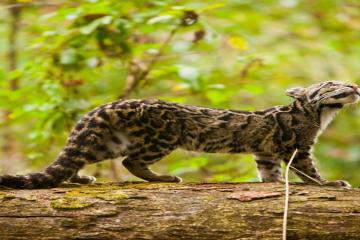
179, 211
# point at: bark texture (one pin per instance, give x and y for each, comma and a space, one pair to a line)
179, 211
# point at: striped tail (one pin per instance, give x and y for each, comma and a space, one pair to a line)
60, 170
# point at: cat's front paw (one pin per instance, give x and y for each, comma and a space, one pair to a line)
338, 183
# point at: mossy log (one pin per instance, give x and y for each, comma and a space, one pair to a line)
179, 211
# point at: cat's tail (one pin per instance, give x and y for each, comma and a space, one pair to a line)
60, 170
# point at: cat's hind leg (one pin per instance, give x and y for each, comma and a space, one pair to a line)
140, 169
84, 179
269, 168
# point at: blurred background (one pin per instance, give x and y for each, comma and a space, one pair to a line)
61, 58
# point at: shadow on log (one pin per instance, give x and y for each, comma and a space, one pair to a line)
179, 211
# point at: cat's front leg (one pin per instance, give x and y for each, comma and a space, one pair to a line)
307, 171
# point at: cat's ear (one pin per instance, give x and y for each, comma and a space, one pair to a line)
296, 92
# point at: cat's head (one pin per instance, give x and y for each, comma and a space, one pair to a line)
332, 94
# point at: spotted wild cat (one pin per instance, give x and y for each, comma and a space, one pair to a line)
144, 131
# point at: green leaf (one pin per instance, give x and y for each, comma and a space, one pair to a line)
69, 56
93, 62
95, 24
212, 7
188, 73
160, 19
106, 20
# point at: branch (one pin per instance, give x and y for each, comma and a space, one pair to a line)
139, 71
244, 72
179, 211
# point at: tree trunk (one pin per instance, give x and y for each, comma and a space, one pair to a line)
10, 146
179, 211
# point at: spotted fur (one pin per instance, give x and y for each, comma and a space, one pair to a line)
144, 131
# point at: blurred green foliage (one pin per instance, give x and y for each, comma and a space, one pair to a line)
237, 54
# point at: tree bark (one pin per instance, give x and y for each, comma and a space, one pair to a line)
179, 211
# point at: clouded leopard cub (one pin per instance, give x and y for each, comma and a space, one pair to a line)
144, 131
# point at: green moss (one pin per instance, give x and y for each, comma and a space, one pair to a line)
68, 203
146, 185
119, 186
83, 193
109, 195
29, 197
112, 196
6, 196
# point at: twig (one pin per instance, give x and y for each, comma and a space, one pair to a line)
15, 14
244, 72
139, 73
304, 174
286, 207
